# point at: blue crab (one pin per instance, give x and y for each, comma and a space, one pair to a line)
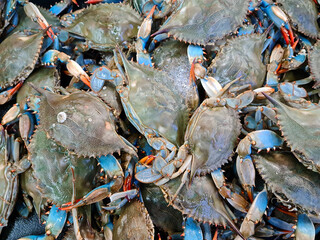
240, 57
10, 167
207, 147
91, 23
303, 15
140, 226
66, 119
22, 46
297, 125
200, 200
299, 186
51, 167
202, 22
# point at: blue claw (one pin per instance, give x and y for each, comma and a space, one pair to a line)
156, 39
144, 59
54, 226
59, 7
192, 230
98, 78
110, 165
195, 52
305, 228
280, 19
262, 139
56, 221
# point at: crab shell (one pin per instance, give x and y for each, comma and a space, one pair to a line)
290, 181
163, 216
314, 63
51, 165
300, 128
200, 200
81, 123
304, 15
212, 135
204, 21
171, 57
157, 101
240, 57
134, 223
105, 26
19, 53
43, 78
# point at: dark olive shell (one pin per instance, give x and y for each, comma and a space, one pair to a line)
289, 180
203, 21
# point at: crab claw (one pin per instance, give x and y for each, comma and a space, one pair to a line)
93, 196
7, 95
76, 70
145, 29
262, 139
305, 228
247, 174
280, 19
254, 214
33, 12
51, 57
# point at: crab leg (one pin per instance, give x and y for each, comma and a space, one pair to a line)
7, 95
236, 200
254, 215
280, 20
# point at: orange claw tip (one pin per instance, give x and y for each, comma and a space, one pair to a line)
192, 78
75, 2
147, 159
93, 1
85, 80
127, 183
151, 12
15, 89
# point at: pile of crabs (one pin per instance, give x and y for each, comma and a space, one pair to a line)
161, 119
